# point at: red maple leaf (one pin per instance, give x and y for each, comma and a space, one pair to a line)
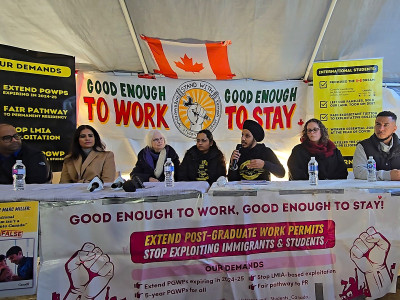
188, 66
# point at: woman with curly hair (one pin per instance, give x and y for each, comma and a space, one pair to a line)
315, 142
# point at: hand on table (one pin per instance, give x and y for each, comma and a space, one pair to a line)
394, 174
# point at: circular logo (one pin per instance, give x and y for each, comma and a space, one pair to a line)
195, 106
249, 174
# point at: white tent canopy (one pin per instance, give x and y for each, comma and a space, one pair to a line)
271, 39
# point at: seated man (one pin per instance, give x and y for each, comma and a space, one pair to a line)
11, 148
384, 146
25, 264
254, 161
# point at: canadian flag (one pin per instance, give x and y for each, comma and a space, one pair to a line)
190, 61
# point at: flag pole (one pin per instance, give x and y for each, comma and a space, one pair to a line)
321, 36
133, 35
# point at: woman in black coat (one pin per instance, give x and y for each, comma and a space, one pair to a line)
316, 142
151, 159
204, 161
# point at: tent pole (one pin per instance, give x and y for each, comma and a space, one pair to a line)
321, 36
133, 35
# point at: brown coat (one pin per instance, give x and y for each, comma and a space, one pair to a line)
99, 164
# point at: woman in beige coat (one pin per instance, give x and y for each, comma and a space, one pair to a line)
87, 158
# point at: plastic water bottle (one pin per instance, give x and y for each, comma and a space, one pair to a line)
222, 181
169, 173
371, 167
19, 172
313, 171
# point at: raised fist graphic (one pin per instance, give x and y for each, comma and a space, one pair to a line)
89, 271
196, 114
369, 253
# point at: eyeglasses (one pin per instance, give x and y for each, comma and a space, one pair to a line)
8, 138
158, 139
316, 129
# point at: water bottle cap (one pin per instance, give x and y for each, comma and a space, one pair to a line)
168, 158
371, 157
19, 161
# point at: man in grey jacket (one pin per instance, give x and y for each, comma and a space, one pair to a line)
384, 146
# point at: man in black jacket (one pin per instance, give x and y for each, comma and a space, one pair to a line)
11, 149
384, 146
254, 161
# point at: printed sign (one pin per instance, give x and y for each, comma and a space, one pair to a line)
125, 109
347, 98
18, 248
38, 97
269, 246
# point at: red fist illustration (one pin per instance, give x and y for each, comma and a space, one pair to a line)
369, 253
89, 271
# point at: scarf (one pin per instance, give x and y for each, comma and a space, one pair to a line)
320, 149
150, 157
85, 153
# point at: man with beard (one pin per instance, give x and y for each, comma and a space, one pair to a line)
11, 148
254, 161
384, 146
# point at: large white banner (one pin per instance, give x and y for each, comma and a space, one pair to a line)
124, 108
269, 246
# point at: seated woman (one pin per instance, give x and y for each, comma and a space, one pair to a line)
87, 158
151, 159
204, 161
315, 142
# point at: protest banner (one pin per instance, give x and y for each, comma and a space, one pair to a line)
268, 246
38, 97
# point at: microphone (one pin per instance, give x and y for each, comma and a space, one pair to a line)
95, 185
129, 186
235, 161
137, 182
117, 184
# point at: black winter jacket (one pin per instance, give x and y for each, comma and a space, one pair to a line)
144, 171
37, 167
197, 166
259, 151
332, 167
384, 161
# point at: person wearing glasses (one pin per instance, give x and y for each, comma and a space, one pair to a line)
151, 159
204, 161
12, 149
315, 142
87, 158
384, 146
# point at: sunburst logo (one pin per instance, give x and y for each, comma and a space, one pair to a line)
195, 106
